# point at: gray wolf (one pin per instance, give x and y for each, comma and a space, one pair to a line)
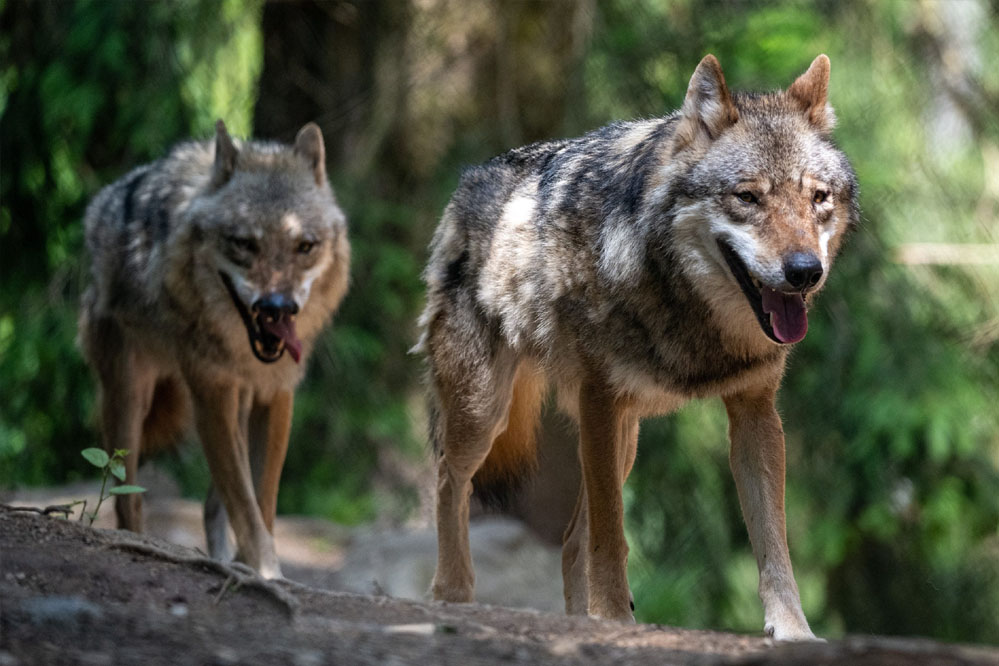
207, 266
632, 269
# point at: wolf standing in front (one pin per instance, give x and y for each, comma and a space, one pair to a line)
208, 266
632, 269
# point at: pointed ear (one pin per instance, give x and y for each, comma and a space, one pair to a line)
708, 109
309, 144
225, 156
811, 92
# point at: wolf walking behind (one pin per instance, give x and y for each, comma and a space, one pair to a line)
632, 269
207, 266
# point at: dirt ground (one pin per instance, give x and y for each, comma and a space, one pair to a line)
71, 594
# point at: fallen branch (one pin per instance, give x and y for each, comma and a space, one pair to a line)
237, 575
64, 509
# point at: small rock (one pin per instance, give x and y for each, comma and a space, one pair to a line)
308, 658
419, 629
227, 655
69, 613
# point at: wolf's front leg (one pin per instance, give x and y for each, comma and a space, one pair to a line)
269, 430
576, 542
757, 460
217, 417
607, 440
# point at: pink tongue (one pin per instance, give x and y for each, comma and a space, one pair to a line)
284, 328
787, 314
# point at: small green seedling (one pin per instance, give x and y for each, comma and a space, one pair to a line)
113, 465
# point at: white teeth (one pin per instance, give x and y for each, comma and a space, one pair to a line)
756, 283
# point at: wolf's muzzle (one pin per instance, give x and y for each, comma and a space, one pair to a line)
782, 315
270, 324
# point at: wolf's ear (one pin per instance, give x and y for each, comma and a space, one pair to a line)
708, 109
811, 92
309, 144
225, 156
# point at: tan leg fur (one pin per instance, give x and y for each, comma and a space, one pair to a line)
757, 461
217, 418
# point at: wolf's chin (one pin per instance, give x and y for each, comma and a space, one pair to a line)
781, 316
266, 347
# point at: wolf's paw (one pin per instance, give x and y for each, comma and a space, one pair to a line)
619, 613
627, 618
454, 593
271, 571
792, 633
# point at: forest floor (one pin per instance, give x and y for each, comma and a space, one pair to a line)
72, 594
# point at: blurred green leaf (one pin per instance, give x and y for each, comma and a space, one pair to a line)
127, 490
96, 457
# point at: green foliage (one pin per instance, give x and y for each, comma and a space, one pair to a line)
113, 465
96, 457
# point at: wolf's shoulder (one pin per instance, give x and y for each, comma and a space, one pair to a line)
613, 138
610, 141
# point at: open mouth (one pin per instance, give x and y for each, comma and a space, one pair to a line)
270, 334
782, 315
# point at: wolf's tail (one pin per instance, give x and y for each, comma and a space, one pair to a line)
514, 453
164, 425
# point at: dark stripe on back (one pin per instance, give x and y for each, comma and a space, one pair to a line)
454, 273
131, 186
158, 219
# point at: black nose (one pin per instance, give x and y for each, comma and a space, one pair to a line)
802, 270
275, 306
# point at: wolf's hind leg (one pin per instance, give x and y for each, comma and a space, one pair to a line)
216, 522
577, 597
127, 382
474, 411
757, 460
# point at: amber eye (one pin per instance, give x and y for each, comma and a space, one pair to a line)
747, 197
820, 196
305, 247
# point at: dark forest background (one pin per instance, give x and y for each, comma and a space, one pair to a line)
891, 404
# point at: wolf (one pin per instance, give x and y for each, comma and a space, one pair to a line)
213, 270
630, 270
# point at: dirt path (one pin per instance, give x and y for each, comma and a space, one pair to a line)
75, 595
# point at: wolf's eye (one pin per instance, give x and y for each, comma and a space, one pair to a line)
820, 196
305, 247
243, 244
747, 197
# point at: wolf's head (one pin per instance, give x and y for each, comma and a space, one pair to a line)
268, 226
765, 196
